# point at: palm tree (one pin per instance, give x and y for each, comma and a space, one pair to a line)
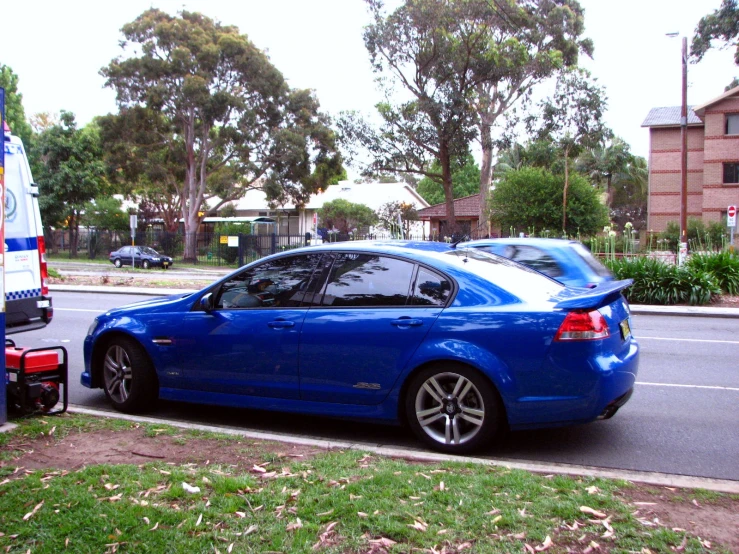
603, 162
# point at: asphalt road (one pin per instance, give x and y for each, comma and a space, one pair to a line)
683, 418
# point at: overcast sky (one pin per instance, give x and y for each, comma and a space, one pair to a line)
58, 47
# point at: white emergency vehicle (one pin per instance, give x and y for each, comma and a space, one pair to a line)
27, 301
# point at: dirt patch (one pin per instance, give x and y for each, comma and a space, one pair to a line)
713, 519
130, 281
135, 446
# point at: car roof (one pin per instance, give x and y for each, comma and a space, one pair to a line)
533, 241
515, 279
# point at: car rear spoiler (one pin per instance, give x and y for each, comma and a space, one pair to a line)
575, 298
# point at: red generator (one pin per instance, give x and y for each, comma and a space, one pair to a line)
36, 378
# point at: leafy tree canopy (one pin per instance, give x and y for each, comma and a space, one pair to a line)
15, 115
72, 173
396, 217
573, 119
466, 181
346, 216
722, 25
233, 122
105, 213
531, 199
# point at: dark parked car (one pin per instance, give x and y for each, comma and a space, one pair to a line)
139, 256
568, 261
458, 343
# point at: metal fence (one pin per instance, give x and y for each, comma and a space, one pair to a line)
212, 249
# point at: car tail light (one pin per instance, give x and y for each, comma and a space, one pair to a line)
42, 266
582, 325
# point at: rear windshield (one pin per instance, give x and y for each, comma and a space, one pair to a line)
589, 259
527, 284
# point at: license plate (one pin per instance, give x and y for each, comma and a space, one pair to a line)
165, 264
625, 329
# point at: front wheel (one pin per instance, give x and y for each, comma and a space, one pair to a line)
118, 262
129, 378
453, 408
145, 264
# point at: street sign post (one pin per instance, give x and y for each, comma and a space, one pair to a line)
731, 222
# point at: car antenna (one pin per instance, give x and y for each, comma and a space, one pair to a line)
461, 239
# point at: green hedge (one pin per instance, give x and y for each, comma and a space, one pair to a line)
661, 283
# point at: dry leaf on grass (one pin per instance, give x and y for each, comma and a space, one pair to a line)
591, 511
30, 514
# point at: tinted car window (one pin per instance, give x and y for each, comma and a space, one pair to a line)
368, 280
431, 289
125, 251
535, 258
276, 283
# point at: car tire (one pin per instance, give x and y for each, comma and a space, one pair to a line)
118, 262
453, 408
129, 378
146, 264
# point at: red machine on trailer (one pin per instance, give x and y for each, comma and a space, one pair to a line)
36, 378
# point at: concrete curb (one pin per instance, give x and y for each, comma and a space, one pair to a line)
651, 478
695, 311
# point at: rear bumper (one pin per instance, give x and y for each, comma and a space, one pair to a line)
604, 387
28, 314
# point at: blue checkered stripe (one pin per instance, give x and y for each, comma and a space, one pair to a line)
20, 294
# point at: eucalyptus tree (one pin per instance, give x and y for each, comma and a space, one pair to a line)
465, 63
524, 42
572, 118
235, 124
722, 26
421, 51
465, 182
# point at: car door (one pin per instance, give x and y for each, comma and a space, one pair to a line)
248, 344
371, 315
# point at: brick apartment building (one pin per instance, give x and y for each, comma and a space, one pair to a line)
713, 161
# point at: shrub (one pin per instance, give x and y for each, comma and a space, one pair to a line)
724, 266
657, 282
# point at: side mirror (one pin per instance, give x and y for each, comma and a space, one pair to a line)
206, 302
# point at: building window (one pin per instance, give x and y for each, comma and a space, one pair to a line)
731, 173
732, 124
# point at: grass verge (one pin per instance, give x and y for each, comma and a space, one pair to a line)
331, 502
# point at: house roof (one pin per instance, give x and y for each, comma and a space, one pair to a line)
372, 195
669, 117
468, 206
701, 110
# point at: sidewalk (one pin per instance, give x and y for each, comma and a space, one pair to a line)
641, 309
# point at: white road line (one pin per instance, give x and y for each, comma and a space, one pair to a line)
689, 340
686, 386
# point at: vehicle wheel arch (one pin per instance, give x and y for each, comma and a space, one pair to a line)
447, 365
99, 350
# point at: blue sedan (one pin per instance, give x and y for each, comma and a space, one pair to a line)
459, 344
568, 261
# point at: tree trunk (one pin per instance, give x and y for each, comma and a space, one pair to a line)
486, 168
74, 236
564, 195
446, 173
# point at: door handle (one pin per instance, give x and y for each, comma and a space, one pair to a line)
280, 324
406, 322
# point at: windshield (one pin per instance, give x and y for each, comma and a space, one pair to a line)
150, 251
525, 283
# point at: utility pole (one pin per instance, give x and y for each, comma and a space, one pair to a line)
684, 159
